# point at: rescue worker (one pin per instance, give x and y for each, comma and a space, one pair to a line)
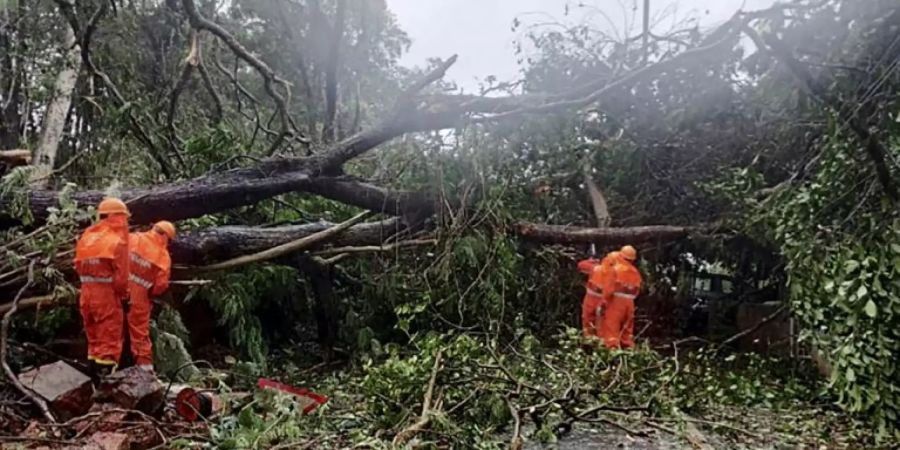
600, 275
150, 270
617, 323
101, 261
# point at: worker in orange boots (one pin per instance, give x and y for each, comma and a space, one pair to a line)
617, 323
600, 275
150, 270
101, 261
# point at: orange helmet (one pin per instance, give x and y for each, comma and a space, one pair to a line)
111, 205
165, 227
628, 252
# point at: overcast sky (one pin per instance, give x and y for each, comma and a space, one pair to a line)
479, 31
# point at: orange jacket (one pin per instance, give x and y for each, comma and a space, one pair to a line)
601, 274
151, 265
627, 278
102, 251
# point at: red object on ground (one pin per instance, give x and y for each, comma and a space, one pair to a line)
315, 400
191, 405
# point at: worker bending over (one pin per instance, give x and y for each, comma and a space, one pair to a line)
150, 270
600, 274
101, 261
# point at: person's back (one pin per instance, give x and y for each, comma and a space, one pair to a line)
617, 328
101, 261
597, 290
150, 270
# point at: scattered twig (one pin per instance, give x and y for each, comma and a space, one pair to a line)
270, 79
425, 417
781, 309
38, 440
375, 248
4, 333
516, 442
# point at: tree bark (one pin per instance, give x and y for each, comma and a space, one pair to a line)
331, 71
244, 187
325, 308
55, 120
221, 243
564, 234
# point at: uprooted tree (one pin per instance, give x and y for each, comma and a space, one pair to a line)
261, 126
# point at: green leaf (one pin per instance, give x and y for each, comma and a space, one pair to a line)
871, 309
895, 248
851, 265
862, 291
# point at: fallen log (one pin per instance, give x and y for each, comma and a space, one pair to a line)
196, 198
13, 158
566, 234
286, 248
221, 243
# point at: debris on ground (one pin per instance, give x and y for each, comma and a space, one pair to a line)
66, 390
132, 388
308, 400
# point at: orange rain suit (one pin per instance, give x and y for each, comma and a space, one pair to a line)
150, 270
600, 276
617, 323
101, 260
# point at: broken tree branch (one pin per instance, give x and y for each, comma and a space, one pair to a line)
425, 417
209, 245
191, 61
564, 234
598, 201
778, 312
874, 148
269, 78
18, 157
4, 335
376, 248
285, 249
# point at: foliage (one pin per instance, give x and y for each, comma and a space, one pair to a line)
841, 237
236, 296
555, 387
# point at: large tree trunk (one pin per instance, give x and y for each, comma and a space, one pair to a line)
214, 194
57, 111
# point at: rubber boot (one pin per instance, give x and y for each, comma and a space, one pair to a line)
100, 371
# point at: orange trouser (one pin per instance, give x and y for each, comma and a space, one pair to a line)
589, 320
617, 323
102, 314
139, 325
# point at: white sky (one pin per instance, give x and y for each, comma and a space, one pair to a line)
479, 31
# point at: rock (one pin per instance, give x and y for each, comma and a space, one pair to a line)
132, 388
111, 441
66, 390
